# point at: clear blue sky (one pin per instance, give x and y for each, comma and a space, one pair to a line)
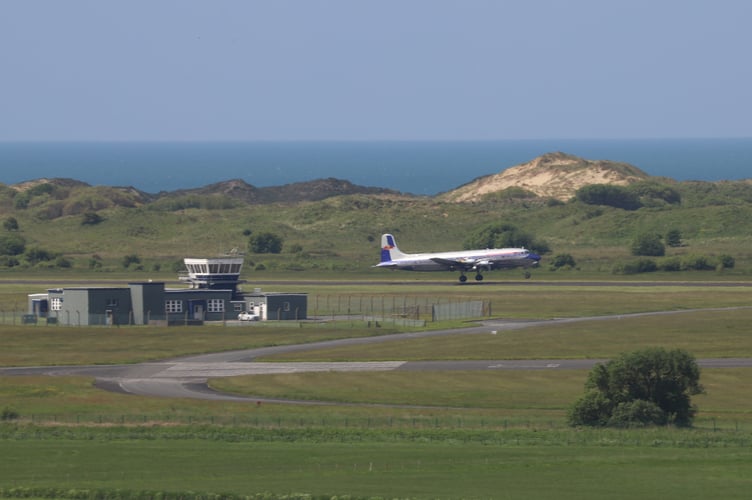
374, 70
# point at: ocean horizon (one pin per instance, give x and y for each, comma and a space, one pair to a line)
417, 167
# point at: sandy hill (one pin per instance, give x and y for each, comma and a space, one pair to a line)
553, 175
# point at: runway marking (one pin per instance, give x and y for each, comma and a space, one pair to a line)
525, 367
204, 370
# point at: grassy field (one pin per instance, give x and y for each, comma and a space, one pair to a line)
593, 466
460, 435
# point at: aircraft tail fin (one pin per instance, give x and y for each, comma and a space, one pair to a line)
389, 250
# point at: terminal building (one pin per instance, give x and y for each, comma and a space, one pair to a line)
212, 294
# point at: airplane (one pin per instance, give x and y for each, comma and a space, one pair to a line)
462, 261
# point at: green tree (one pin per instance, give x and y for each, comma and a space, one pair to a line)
265, 243
649, 244
647, 387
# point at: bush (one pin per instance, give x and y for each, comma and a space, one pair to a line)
9, 414
12, 244
671, 264
726, 262
653, 193
63, 263
674, 238
609, 195
563, 260
504, 236
10, 224
648, 244
36, 255
696, 263
593, 409
131, 259
8, 261
91, 219
637, 413
265, 243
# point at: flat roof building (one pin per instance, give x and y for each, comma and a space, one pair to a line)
213, 295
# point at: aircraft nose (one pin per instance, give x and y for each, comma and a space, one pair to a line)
534, 256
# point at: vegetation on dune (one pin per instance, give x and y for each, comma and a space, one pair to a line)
334, 226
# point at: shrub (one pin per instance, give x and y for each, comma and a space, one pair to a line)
593, 409
502, 235
12, 244
8, 261
10, 224
36, 255
609, 195
648, 244
265, 243
673, 238
637, 413
131, 259
9, 414
91, 219
726, 262
63, 262
653, 193
696, 263
563, 260
671, 264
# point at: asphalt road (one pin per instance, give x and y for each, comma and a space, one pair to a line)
187, 377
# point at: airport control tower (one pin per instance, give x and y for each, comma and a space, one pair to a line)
214, 273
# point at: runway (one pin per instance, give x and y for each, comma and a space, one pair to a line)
187, 377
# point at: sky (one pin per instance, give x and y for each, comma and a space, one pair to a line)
282, 70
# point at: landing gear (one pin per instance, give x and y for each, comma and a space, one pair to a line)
478, 277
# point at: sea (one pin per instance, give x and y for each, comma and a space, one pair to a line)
416, 167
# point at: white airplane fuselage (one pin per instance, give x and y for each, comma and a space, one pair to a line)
464, 260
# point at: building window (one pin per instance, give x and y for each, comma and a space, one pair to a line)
237, 306
215, 305
173, 306
56, 304
112, 303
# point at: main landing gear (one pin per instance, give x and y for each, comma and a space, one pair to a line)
463, 278
479, 277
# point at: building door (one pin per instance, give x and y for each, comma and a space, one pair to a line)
198, 311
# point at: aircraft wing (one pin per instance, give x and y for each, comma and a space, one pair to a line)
455, 263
